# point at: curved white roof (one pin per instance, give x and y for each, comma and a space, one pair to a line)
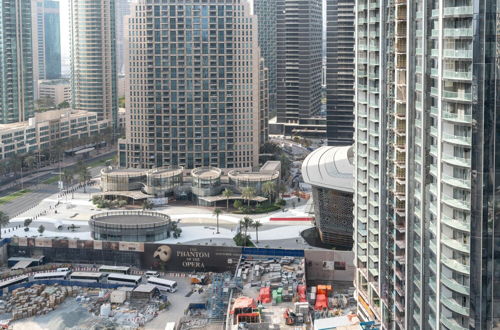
330, 167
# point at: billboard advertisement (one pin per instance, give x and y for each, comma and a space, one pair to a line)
189, 258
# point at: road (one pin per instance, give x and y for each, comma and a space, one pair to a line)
50, 173
29, 200
40, 191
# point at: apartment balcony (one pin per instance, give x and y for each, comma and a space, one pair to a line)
452, 324
456, 265
456, 203
455, 286
434, 72
456, 182
432, 246
459, 54
458, 33
455, 224
457, 117
457, 139
454, 306
434, 52
435, 12
457, 161
458, 11
456, 245
457, 75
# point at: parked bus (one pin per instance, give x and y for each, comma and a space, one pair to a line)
170, 326
124, 279
87, 277
52, 276
12, 281
163, 284
114, 269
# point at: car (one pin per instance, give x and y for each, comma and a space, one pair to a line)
152, 273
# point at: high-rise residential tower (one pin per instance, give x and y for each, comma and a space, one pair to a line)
194, 85
426, 228
46, 39
93, 57
122, 10
265, 10
16, 61
298, 55
340, 72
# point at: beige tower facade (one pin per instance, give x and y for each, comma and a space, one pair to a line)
93, 58
193, 73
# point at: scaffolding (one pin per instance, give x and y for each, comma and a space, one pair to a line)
219, 296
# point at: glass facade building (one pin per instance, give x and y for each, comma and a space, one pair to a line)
93, 58
340, 72
46, 40
194, 86
16, 61
427, 93
298, 56
265, 10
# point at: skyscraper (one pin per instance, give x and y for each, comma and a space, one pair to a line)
16, 61
46, 39
426, 233
298, 88
265, 10
340, 72
122, 10
194, 73
93, 57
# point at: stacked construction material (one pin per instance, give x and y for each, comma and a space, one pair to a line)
37, 300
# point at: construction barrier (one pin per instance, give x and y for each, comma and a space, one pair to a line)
272, 252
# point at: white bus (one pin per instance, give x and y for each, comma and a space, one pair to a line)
12, 281
124, 279
51, 276
114, 269
87, 277
163, 284
170, 326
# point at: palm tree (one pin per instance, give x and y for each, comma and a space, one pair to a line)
246, 223
217, 212
4, 220
227, 193
256, 224
29, 161
67, 177
85, 176
248, 193
268, 189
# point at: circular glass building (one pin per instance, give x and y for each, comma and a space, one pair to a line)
206, 181
130, 226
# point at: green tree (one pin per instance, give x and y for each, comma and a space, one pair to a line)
246, 223
268, 189
147, 205
41, 229
15, 163
4, 220
67, 177
63, 105
217, 212
286, 164
84, 175
257, 224
27, 222
237, 204
227, 193
248, 193
29, 161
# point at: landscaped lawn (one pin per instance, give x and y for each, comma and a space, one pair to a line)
11, 197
